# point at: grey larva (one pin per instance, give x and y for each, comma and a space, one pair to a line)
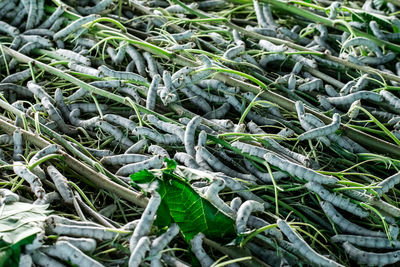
197, 249
322, 131
75, 26
123, 75
152, 92
244, 212
157, 137
161, 242
371, 258
154, 162
139, 252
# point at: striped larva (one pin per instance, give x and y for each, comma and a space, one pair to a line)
182, 36
84, 69
158, 244
361, 41
388, 184
263, 176
285, 151
160, 138
53, 17
217, 165
259, 15
123, 75
197, 249
151, 64
80, 93
56, 26
371, 258
138, 60
233, 52
152, 92
139, 252
298, 170
25, 260
250, 149
119, 120
7, 197
50, 149
41, 259
157, 150
22, 171
87, 245
336, 199
18, 76
211, 194
186, 160
32, 14
116, 133
202, 127
154, 162
271, 108
312, 85
130, 91
177, 9
351, 98
390, 98
243, 214
303, 248
333, 9
367, 241
373, 25
74, 26
189, 136
178, 47
87, 124
206, 95
71, 55
68, 252
146, 220
270, 47
98, 8
8, 29
268, 15
389, 56
18, 145
322, 131
196, 100
39, 91
166, 127
96, 232
61, 184
219, 112
48, 198
345, 225
56, 117
44, 42
117, 57
330, 91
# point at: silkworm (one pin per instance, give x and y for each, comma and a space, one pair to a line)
183, 35
186, 160
152, 92
67, 252
361, 84
330, 91
53, 17
38, 91
50, 149
44, 42
108, 84
233, 52
87, 124
371, 258
48, 198
167, 127
161, 242
298, 170
390, 98
130, 91
389, 56
196, 99
98, 233
157, 150
177, 9
268, 15
151, 64
387, 184
292, 82
7, 7
264, 177
22, 171
146, 220
178, 47
206, 95
361, 41
18, 76
56, 117
116, 133
157, 137
123, 75
211, 4
98, 8
84, 69
71, 55
7, 197
345, 225
189, 136
40, 32
384, 206
219, 112
376, 31
263, 31
74, 26
154, 162
350, 98
57, 26
334, 6
117, 57
61, 184
281, 149
212, 84
52, 220
25, 260
336, 199
18, 147
197, 249
211, 194
322, 131
312, 85
270, 47
367, 241
139, 253
244, 212
303, 248
259, 15
32, 14
87, 245
41, 259
217, 165
271, 108
250, 149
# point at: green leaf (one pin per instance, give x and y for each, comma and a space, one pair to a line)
171, 164
191, 212
143, 176
9, 254
362, 16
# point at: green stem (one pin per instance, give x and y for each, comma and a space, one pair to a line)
44, 159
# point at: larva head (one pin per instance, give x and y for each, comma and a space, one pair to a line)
75, 113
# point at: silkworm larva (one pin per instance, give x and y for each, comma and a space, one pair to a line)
57, 26
376, 31
197, 249
77, 24
68, 252
146, 221
61, 184
7, 196
25, 260
196, 99
298, 170
390, 98
322, 131
389, 56
270, 47
52, 220
370, 258
344, 224
367, 241
244, 212
39, 91
157, 137
315, 84
157, 150
119, 120
250, 149
98, 8
186, 160
98, 233
233, 52
211, 194
18, 76
160, 243
139, 253
84, 69
177, 9
281, 149
350, 98
183, 35
137, 58
41, 259
56, 117
152, 92
53, 17
212, 84
189, 136
151, 64
361, 83
22, 171
361, 41
206, 95
154, 162
303, 248
71, 55
87, 245
384, 206
44, 42
263, 176
271, 108
259, 15
166, 127
50, 149
219, 112
388, 184
48, 198
87, 124
8, 29
330, 91
337, 200
18, 145
216, 164
333, 8
32, 14
123, 75
116, 133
